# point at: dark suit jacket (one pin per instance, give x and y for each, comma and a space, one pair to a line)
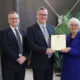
10, 49
38, 46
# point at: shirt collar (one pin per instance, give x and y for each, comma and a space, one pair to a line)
41, 24
13, 27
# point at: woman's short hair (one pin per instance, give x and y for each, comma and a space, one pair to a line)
75, 20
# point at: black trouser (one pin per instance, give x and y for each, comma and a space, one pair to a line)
13, 74
43, 74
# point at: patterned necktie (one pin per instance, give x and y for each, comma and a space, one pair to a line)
46, 36
19, 42
45, 33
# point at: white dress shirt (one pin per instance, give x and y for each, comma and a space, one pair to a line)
13, 29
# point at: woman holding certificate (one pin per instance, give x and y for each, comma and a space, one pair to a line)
71, 54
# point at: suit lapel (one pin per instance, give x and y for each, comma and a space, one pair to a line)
73, 42
12, 35
68, 40
22, 34
50, 31
40, 33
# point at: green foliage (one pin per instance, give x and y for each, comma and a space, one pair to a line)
78, 15
58, 62
61, 29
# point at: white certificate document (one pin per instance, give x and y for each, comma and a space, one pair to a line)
58, 42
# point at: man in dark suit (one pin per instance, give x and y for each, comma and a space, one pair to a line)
42, 57
13, 54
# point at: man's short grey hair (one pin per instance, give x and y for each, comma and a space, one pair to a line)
41, 8
75, 20
12, 12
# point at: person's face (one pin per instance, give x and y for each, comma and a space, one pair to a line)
42, 16
13, 20
74, 27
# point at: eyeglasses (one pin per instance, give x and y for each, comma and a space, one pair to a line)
43, 14
13, 18
75, 25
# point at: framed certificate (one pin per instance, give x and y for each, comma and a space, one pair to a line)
58, 42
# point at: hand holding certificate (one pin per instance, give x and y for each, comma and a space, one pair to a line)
58, 42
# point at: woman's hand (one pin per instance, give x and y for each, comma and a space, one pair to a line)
65, 50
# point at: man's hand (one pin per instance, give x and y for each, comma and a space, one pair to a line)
49, 51
21, 59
